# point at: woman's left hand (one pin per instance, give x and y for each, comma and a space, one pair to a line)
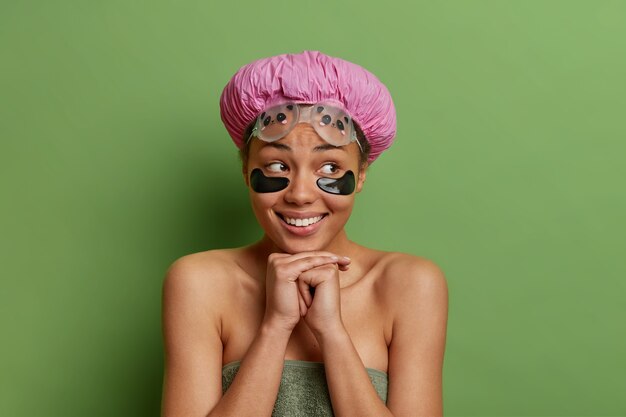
323, 309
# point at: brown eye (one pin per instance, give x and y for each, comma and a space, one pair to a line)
276, 167
330, 168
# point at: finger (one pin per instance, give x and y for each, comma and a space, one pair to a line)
305, 264
300, 255
302, 305
277, 255
305, 292
340, 267
315, 277
293, 270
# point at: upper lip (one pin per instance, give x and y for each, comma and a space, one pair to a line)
299, 215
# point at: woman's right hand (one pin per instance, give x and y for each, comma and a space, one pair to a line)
284, 305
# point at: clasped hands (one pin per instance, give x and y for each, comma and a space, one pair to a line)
288, 283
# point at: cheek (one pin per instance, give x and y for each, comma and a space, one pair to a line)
339, 205
263, 201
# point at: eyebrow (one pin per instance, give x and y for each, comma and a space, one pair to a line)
328, 146
277, 146
319, 148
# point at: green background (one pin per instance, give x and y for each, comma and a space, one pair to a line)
507, 171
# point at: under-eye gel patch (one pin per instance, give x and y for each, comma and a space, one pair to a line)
262, 184
344, 185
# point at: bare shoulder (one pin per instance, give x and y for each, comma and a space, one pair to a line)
413, 268
201, 273
416, 293
206, 260
202, 267
412, 279
194, 291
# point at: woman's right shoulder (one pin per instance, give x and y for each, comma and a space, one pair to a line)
206, 270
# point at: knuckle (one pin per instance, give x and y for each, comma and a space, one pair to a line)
275, 261
273, 257
329, 270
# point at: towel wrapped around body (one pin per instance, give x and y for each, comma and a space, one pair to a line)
303, 389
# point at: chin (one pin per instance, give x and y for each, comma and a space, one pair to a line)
293, 246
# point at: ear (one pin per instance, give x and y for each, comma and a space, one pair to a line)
244, 171
361, 180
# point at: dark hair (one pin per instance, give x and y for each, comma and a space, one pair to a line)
360, 136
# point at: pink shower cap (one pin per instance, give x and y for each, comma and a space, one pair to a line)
309, 77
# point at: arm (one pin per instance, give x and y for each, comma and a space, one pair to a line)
415, 354
351, 391
193, 296
418, 342
255, 387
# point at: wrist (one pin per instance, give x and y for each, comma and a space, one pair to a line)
330, 332
276, 329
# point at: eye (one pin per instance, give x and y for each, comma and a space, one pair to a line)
330, 168
276, 167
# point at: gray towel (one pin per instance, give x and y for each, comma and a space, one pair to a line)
303, 390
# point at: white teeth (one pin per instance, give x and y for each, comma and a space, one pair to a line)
303, 222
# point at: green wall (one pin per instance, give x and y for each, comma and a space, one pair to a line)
508, 171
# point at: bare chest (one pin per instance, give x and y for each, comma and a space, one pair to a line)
366, 319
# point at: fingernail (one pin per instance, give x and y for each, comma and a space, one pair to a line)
334, 258
346, 258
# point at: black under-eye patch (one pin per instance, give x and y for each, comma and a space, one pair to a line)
342, 186
262, 184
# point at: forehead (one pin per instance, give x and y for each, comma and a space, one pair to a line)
303, 138
302, 135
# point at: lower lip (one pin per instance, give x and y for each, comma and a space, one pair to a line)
302, 230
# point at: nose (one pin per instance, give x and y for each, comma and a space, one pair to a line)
302, 189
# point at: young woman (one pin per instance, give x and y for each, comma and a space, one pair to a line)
304, 322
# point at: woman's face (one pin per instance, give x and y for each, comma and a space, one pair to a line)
302, 156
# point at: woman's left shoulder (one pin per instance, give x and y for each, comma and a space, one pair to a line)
405, 262
411, 272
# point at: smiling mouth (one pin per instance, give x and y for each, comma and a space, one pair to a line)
301, 222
